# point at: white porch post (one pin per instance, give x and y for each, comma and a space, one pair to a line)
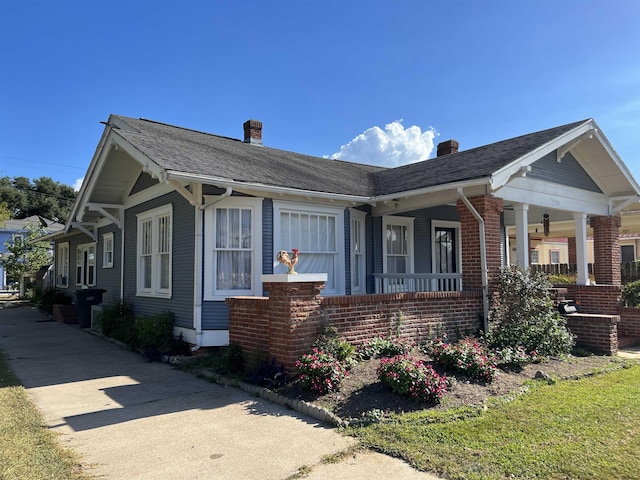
522, 234
581, 248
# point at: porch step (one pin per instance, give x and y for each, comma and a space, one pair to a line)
628, 342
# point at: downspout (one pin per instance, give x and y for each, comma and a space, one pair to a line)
483, 257
198, 249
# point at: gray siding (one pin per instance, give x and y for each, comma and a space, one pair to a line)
267, 236
370, 252
143, 182
215, 316
183, 257
567, 172
109, 278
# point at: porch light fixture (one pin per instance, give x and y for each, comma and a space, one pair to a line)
545, 224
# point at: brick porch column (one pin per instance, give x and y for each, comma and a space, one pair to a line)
490, 209
573, 256
294, 319
606, 250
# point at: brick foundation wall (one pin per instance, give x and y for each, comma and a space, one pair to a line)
629, 325
286, 324
599, 299
598, 333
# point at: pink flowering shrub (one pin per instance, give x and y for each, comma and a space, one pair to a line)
320, 372
467, 357
412, 378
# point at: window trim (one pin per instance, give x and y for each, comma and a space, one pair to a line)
155, 290
312, 208
446, 224
405, 222
105, 237
360, 216
537, 260
81, 248
551, 252
210, 291
62, 255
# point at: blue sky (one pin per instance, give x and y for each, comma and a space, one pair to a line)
375, 82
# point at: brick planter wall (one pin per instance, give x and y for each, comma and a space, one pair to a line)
598, 333
629, 322
600, 299
286, 324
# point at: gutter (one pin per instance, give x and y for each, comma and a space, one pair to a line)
483, 257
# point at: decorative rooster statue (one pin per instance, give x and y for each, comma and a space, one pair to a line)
290, 262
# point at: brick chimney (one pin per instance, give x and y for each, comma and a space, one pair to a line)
450, 146
253, 132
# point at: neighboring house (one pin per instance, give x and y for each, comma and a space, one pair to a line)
176, 219
13, 228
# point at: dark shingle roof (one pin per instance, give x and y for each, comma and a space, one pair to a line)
189, 151
470, 164
198, 153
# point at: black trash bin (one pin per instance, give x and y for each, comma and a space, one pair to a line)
84, 299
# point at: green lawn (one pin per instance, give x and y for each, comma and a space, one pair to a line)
580, 429
28, 449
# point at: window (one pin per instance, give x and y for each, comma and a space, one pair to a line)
86, 264
318, 233
554, 257
535, 257
358, 251
445, 258
627, 254
107, 250
398, 244
233, 248
62, 265
154, 252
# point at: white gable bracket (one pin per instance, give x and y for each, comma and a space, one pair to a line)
624, 202
85, 230
102, 208
190, 197
562, 151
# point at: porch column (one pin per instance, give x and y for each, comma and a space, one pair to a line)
580, 249
522, 234
606, 250
490, 209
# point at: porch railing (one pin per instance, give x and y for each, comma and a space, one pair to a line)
417, 282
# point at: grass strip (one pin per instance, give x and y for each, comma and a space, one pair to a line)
28, 449
579, 429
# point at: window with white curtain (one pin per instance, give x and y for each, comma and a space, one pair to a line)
233, 248
358, 251
154, 252
62, 265
318, 233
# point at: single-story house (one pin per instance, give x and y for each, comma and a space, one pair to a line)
175, 219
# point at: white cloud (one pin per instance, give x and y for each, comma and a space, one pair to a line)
77, 184
393, 146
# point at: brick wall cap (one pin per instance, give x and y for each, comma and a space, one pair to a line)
289, 278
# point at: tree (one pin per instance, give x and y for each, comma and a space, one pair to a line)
44, 197
5, 213
26, 256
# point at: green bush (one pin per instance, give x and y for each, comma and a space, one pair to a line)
412, 378
117, 321
320, 372
523, 315
631, 294
50, 297
467, 356
330, 343
154, 333
382, 347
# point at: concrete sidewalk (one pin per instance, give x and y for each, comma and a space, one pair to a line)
130, 419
